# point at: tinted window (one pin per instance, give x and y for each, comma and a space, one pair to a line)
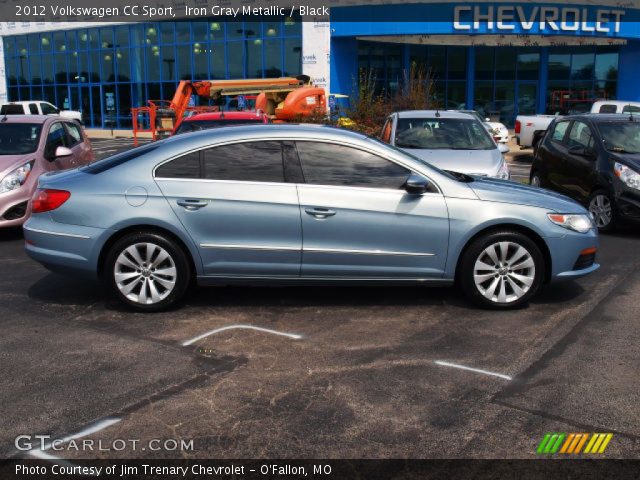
580, 135
608, 109
57, 137
251, 162
328, 164
187, 166
11, 110
559, 130
48, 109
19, 138
33, 108
120, 158
75, 135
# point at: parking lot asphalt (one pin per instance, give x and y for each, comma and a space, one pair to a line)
335, 372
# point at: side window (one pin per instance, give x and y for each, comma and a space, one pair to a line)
57, 137
329, 164
249, 161
580, 135
559, 131
386, 132
608, 108
186, 166
75, 134
630, 109
33, 109
48, 109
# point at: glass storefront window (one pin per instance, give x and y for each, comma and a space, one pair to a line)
457, 63
217, 55
528, 66
582, 66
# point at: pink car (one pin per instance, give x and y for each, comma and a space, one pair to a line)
31, 145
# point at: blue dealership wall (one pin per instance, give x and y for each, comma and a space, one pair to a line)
629, 71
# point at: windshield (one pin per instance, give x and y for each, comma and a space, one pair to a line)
442, 134
19, 138
621, 137
195, 125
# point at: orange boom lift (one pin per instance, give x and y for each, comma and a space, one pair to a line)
283, 99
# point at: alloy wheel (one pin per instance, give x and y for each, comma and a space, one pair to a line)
504, 272
600, 208
535, 181
145, 273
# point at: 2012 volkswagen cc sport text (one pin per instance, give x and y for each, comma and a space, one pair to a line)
300, 204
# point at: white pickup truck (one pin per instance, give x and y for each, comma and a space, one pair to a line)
529, 128
37, 107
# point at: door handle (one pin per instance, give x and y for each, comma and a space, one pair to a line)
320, 213
191, 204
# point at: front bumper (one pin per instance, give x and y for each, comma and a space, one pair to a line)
14, 207
573, 255
627, 204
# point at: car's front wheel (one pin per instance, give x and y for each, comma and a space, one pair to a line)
147, 271
601, 208
501, 269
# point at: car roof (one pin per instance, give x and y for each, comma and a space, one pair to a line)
618, 103
250, 115
24, 102
432, 114
27, 118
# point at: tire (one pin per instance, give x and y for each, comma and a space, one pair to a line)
142, 284
603, 211
502, 287
535, 180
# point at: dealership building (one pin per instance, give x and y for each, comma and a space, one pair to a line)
501, 58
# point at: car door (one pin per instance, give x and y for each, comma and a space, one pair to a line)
78, 144
359, 222
57, 137
580, 161
234, 202
553, 154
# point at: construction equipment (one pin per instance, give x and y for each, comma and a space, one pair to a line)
283, 99
574, 101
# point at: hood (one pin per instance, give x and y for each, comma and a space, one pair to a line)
471, 162
9, 163
632, 160
504, 191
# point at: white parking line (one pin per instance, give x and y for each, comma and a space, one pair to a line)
294, 336
477, 370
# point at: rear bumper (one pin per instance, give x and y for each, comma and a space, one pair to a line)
68, 249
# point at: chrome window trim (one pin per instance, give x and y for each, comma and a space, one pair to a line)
58, 234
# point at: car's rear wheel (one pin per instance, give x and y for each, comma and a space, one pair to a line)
601, 208
502, 269
147, 271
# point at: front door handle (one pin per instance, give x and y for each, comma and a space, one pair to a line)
191, 204
320, 213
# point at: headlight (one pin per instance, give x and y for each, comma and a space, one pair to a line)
629, 177
580, 223
16, 178
503, 172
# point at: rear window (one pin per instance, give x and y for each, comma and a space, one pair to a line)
19, 138
608, 109
120, 158
10, 109
630, 109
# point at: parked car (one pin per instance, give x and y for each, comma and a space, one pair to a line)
498, 131
615, 106
203, 121
448, 140
529, 129
594, 159
29, 146
38, 107
300, 204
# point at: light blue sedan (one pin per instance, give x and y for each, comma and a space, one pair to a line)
305, 205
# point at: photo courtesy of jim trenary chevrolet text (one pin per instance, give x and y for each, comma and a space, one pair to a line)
329, 239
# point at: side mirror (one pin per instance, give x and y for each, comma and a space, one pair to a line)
62, 152
416, 184
503, 148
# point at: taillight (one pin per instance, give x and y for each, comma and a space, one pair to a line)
47, 200
518, 126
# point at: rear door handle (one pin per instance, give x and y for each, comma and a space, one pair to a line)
320, 212
191, 204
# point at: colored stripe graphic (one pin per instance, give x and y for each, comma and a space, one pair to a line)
573, 443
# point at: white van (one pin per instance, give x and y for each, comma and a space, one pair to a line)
37, 107
615, 106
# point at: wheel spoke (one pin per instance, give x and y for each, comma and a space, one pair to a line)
128, 288
124, 276
488, 293
481, 278
520, 252
168, 284
155, 296
491, 251
502, 295
519, 292
480, 266
524, 279
526, 263
151, 248
135, 254
124, 260
166, 272
504, 249
162, 256
142, 296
